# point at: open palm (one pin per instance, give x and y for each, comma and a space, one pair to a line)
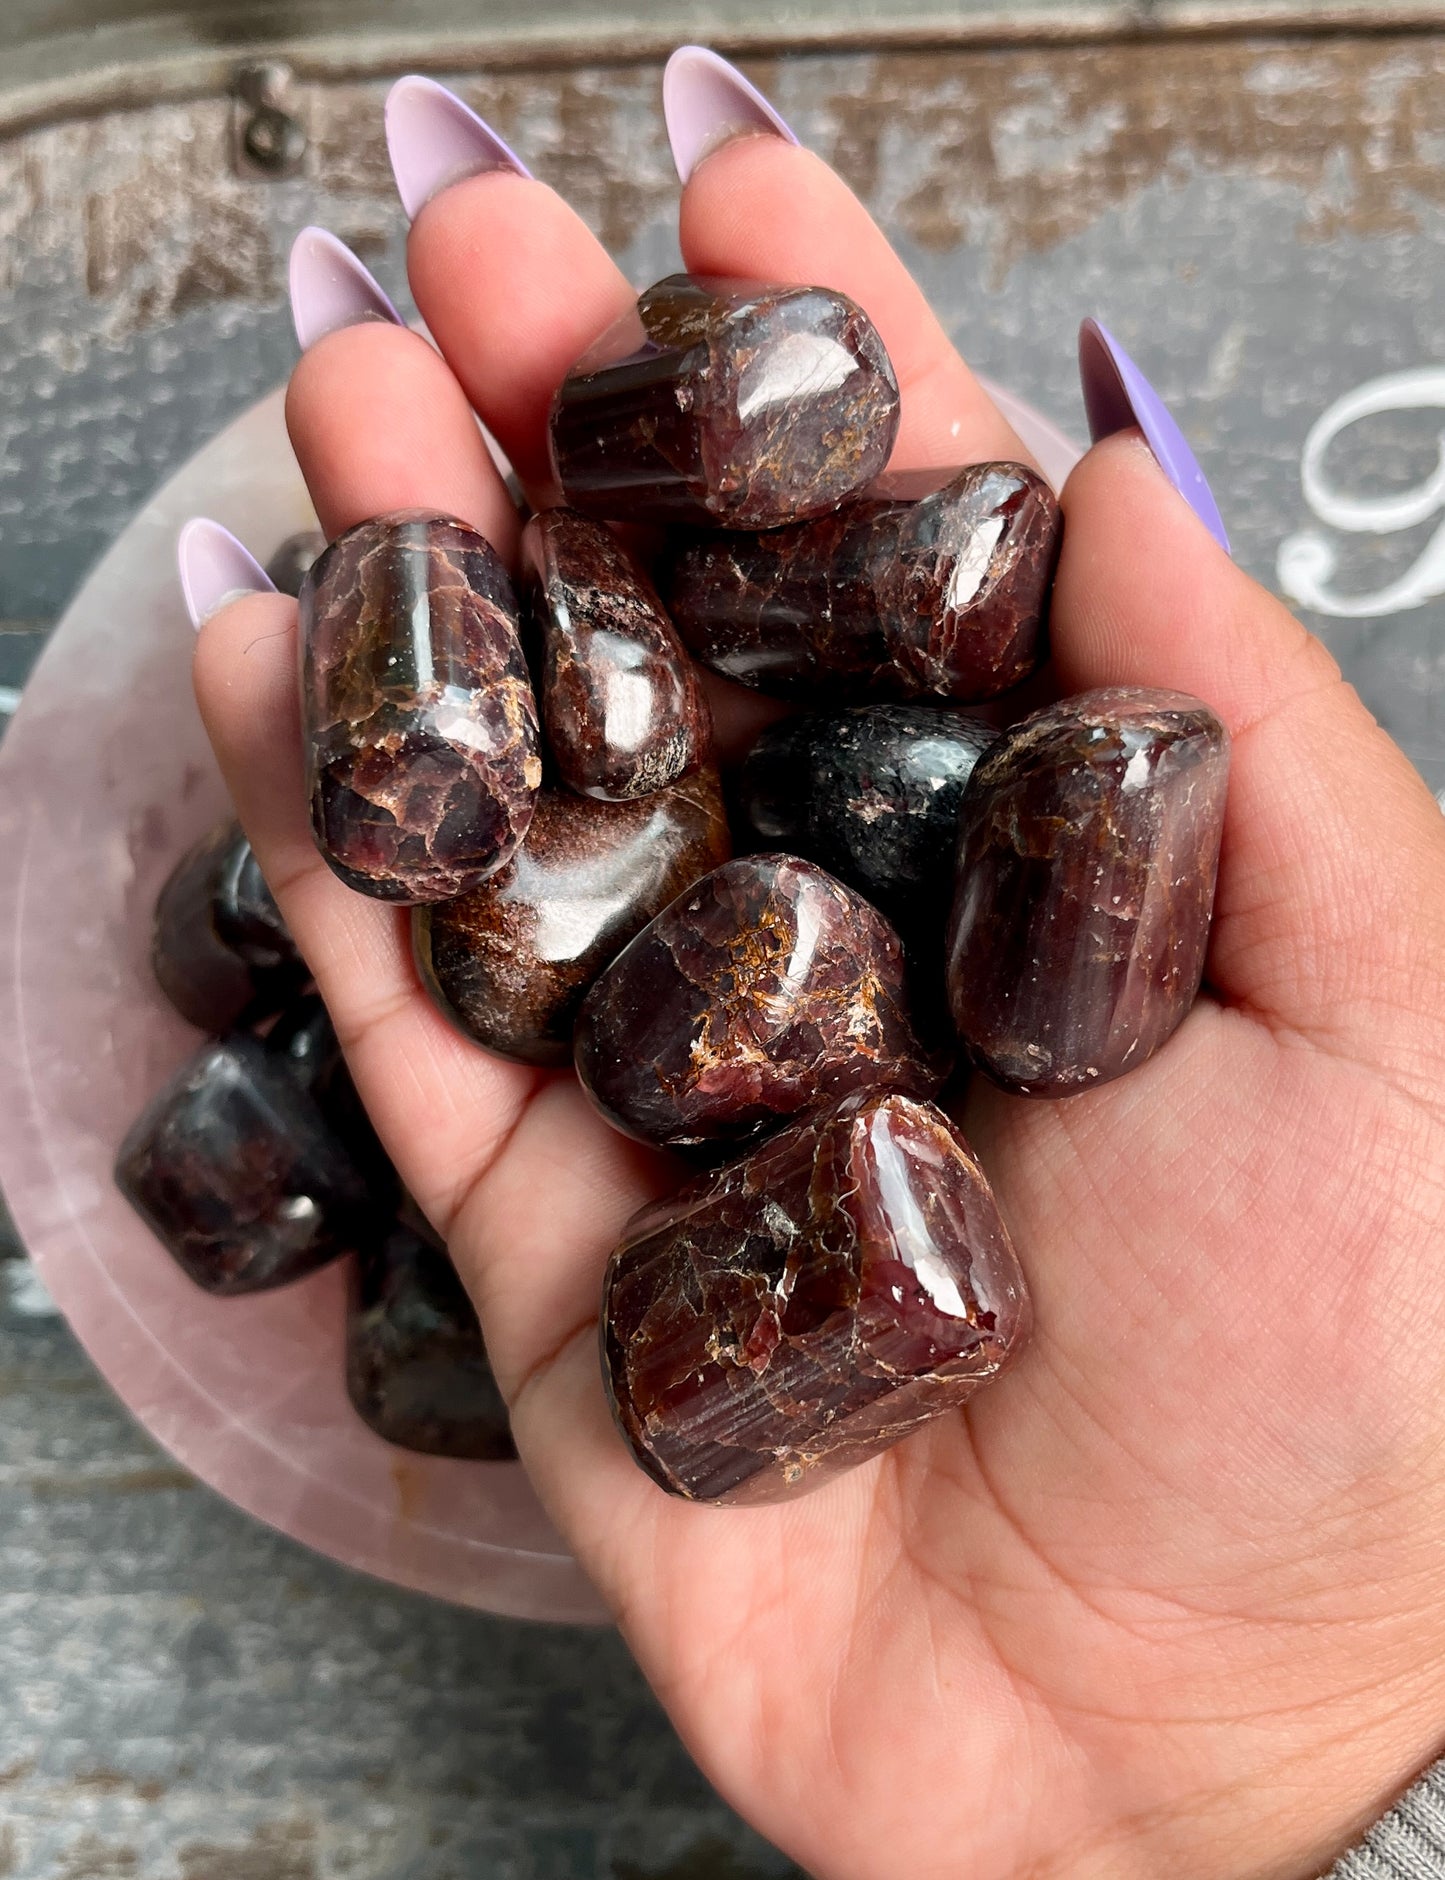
1168, 1599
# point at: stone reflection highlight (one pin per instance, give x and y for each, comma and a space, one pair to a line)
422, 745
510, 962
764, 990
800, 1311
934, 585
220, 950
238, 1171
727, 402
621, 701
1088, 848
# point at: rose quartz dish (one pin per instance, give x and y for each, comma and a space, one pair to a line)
105, 778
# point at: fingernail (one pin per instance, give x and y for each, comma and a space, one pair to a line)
331, 289
435, 141
215, 568
1117, 395
707, 102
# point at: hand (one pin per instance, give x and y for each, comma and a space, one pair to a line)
1169, 1599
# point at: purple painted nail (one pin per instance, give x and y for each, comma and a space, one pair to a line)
435, 140
215, 568
331, 289
1117, 395
707, 102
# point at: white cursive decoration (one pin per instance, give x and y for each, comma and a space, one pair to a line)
1307, 560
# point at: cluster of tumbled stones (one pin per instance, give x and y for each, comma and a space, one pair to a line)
255, 1165
920, 886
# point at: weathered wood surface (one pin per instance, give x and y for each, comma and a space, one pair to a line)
187, 1696
101, 54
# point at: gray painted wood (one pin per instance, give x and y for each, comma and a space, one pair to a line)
189, 1697
61, 55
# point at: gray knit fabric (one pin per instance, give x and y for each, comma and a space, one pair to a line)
1406, 1844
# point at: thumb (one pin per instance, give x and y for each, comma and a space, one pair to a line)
1330, 911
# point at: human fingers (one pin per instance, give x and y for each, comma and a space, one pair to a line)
527, 1183
376, 418
510, 281
441, 1105
757, 205
1331, 890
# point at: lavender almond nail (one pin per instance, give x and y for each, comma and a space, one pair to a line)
434, 140
215, 568
706, 102
331, 289
1117, 395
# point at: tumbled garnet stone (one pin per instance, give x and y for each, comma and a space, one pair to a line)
1088, 847
416, 1367
421, 731
287, 567
802, 1310
726, 402
872, 793
219, 948
235, 1167
918, 592
511, 961
305, 1041
766, 989
621, 701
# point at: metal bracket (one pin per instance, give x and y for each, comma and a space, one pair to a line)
267, 139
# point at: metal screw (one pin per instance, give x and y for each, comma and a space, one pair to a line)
267, 139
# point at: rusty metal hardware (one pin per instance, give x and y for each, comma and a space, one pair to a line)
268, 141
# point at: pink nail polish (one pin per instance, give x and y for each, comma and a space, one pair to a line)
435, 140
707, 102
330, 288
215, 568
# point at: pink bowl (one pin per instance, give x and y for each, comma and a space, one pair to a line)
105, 778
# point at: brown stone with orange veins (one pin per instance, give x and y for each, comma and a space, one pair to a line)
767, 989
800, 1311
422, 747
727, 402
511, 962
621, 700
924, 588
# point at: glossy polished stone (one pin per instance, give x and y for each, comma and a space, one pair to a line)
1088, 847
416, 1367
872, 793
423, 753
511, 961
800, 1311
765, 990
621, 701
288, 567
305, 1041
237, 1171
219, 947
726, 402
915, 591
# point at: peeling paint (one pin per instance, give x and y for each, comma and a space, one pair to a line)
1012, 151
281, 1851
1019, 151
91, 1857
